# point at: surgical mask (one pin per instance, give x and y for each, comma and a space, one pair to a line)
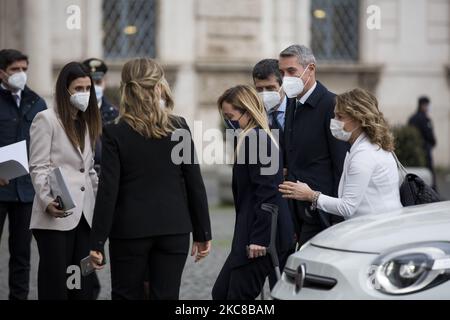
293, 86
18, 80
80, 100
337, 130
270, 98
99, 93
232, 124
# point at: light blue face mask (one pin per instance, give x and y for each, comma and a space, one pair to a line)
99, 93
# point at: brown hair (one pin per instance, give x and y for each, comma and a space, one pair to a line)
89, 120
362, 106
139, 105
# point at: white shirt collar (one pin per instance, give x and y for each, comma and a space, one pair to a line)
281, 107
17, 93
283, 104
307, 94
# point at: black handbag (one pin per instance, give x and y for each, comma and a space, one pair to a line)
413, 190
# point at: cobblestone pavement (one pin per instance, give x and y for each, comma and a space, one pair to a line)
198, 278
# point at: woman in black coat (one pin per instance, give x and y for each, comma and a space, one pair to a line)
148, 201
257, 172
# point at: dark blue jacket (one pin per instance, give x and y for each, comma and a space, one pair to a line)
109, 113
251, 189
423, 123
14, 127
313, 155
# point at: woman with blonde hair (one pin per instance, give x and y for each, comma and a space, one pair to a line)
370, 179
148, 203
255, 182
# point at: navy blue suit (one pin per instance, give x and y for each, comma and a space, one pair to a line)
423, 123
313, 156
109, 113
16, 198
241, 277
14, 127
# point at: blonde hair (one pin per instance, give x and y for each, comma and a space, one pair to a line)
246, 99
139, 104
362, 106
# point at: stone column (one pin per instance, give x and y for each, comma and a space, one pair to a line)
176, 50
93, 31
37, 45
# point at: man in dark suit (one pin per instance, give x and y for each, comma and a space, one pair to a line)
313, 155
423, 123
267, 79
18, 107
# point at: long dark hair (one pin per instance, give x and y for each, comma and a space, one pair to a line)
89, 120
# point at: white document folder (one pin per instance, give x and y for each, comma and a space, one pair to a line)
59, 188
14, 161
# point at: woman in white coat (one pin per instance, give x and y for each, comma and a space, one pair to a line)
370, 181
64, 138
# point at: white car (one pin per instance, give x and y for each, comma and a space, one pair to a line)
399, 255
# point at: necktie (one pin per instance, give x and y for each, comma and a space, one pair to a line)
275, 122
16, 99
298, 106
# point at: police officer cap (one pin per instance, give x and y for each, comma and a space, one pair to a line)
96, 67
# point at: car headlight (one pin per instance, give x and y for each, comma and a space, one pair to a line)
411, 268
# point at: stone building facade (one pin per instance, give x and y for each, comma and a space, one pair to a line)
208, 45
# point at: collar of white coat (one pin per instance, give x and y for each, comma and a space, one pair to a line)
361, 139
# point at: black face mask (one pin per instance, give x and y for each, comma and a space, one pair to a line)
233, 124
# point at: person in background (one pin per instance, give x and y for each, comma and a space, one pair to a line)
267, 80
370, 180
18, 107
422, 121
268, 83
148, 203
108, 112
243, 275
313, 155
64, 137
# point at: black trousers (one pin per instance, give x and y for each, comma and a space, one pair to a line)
19, 241
59, 250
162, 258
243, 282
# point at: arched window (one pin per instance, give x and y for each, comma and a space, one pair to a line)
335, 30
129, 28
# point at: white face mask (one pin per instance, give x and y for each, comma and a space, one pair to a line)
99, 93
18, 80
337, 130
270, 98
80, 100
293, 86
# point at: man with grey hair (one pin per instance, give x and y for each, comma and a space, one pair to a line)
312, 154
